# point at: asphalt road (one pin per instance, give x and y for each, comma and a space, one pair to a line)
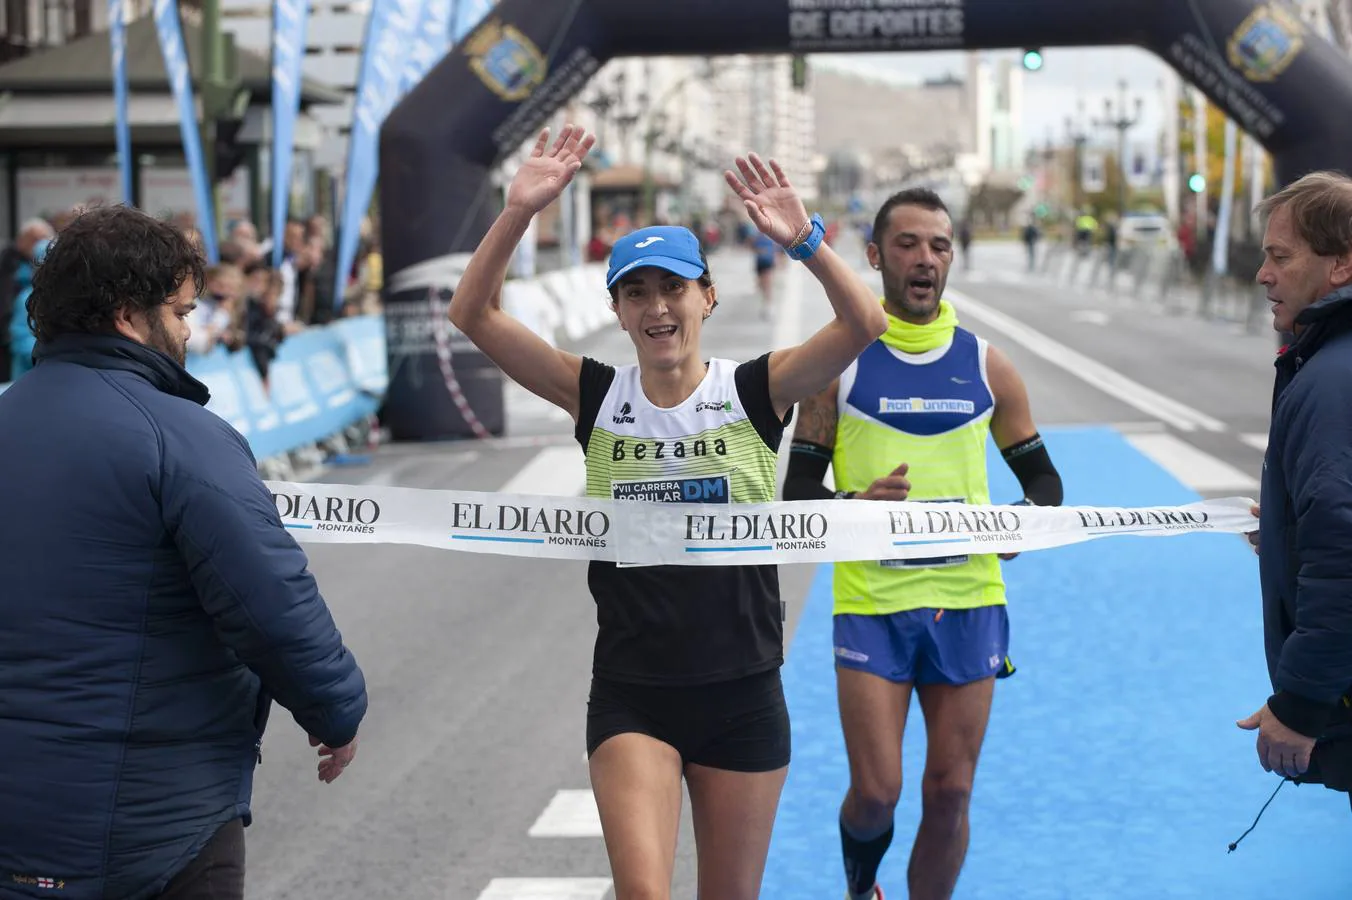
478, 666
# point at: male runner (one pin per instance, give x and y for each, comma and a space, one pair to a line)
910, 418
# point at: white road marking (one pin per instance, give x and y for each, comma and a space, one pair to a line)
1091, 316
1258, 442
546, 889
555, 471
522, 404
1110, 381
1138, 427
570, 813
1199, 471
396, 474
789, 323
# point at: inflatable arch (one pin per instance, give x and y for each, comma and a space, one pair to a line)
1282, 84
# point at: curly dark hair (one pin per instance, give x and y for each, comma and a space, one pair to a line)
108, 258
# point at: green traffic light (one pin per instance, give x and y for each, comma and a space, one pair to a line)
1197, 183
1032, 60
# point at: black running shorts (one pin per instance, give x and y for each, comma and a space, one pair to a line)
739, 726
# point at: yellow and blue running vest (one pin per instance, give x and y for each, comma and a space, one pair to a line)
933, 411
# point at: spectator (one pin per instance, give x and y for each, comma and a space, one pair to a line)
13, 256
371, 279
213, 321
1305, 567
598, 248
294, 261
21, 339
256, 278
244, 235
1031, 235
154, 605
233, 253
316, 274
264, 333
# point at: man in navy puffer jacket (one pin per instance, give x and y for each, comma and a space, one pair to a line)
1305, 538
152, 605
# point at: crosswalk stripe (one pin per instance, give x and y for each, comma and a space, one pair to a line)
571, 813
556, 471
546, 889
1194, 468
1256, 441
522, 404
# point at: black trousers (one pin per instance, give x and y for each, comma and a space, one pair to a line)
217, 873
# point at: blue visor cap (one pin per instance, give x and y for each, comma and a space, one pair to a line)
666, 247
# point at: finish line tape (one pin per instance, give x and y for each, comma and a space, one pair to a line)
700, 534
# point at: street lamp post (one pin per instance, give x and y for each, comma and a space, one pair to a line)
1123, 123
1078, 138
657, 122
1048, 157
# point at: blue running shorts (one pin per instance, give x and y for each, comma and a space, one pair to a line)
926, 646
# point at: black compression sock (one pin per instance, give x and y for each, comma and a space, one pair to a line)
862, 858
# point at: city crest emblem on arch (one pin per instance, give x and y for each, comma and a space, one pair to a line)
506, 61
1266, 43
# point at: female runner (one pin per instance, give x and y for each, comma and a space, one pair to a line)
685, 679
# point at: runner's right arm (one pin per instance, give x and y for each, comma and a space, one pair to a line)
476, 307
814, 444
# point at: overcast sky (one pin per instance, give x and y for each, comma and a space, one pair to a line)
1068, 75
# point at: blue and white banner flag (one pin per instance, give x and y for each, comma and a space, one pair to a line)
389, 31
288, 55
176, 66
117, 35
431, 41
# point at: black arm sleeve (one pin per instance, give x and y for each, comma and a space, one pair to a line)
807, 468
1032, 465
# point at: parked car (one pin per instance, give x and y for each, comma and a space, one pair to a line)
1142, 230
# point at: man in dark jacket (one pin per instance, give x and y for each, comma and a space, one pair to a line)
1305, 521
153, 604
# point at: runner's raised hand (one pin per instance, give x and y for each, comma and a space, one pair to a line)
771, 202
548, 170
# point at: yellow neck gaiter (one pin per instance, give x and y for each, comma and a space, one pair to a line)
910, 338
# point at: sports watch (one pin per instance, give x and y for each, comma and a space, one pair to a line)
807, 247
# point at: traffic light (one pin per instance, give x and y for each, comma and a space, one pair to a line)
1032, 60
1197, 182
799, 72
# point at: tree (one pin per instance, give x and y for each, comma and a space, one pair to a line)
1215, 152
